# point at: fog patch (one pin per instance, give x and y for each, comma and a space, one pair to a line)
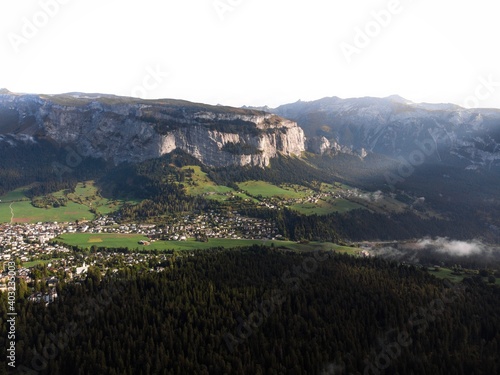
453, 247
372, 197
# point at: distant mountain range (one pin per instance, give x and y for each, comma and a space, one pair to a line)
121, 129
128, 129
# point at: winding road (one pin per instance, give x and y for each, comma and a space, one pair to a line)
12, 212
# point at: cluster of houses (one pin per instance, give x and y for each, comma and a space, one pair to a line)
219, 225
73, 268
25, 241
276, 202
47, 297
211, 224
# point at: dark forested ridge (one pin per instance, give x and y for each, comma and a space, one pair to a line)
262, 311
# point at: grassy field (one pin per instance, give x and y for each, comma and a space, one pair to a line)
375, 202
446, 273
324, 208
80, 202
343, 205
266, 189
319, 208
383, 205
87, 194
15, 202
199, 183
37, 262
24, 212
336, 187
102, 239
245, 197
131, 241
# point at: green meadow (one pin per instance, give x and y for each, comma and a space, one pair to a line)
447, 273
25, 212
131, 241
268, 190
16, 206
199, 184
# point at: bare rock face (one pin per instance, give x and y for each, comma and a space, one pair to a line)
321, 145
318, 145
126, 129
218, 148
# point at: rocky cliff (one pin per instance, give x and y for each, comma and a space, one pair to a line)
398, 128
126, 129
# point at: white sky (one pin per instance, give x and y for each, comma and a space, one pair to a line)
260, 52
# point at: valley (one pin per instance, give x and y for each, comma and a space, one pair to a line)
252, 188
325, 210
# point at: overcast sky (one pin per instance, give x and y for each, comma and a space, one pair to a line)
254, 52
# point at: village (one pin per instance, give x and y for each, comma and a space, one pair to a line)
42, 261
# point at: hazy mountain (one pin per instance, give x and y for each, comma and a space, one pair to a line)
396, 127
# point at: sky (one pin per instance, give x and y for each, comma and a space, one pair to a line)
254, 52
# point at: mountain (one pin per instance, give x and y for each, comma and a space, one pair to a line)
398, 128
436, 166
121, 129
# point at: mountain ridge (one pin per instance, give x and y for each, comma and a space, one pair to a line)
125, 129
391, 126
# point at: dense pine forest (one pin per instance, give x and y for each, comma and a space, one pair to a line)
262, 311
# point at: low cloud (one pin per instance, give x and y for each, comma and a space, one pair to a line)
372, 197
452, 247
441, 249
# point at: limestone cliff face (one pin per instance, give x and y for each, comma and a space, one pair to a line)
126, 129
208, 146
